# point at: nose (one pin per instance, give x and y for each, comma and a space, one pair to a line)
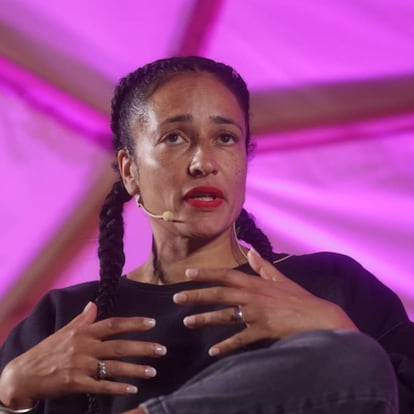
203, 162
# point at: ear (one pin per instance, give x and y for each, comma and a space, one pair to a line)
129, 171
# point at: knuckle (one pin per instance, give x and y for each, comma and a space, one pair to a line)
218, 293
106, 388
226, 317
71, 350
71, 333
113, 324
239, 341
119, 349
70, 381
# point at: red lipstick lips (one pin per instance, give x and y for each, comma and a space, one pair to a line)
204, 198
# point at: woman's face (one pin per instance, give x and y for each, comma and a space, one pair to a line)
190, 155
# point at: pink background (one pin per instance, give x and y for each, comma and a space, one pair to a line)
342, 182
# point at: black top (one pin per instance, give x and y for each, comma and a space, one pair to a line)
373, 307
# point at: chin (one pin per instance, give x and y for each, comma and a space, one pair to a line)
207, 229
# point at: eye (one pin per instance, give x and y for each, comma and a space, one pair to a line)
173, 138
227, 139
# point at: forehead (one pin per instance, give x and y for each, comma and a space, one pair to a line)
192, 91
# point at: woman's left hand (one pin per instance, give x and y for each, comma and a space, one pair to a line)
272, 306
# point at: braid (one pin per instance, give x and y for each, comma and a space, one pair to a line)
111, 248
247, 230
111, 258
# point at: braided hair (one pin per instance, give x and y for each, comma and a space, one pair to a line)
129, 104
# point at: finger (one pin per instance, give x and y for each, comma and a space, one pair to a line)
89, 313
237, 341
125, 369
222, 317
229, 277
76, 382
264, 268
114, 326
214, 295
95, 386
121, 348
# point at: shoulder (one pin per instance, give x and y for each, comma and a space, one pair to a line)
373, 306
65, 303
54, 310
325, 268
320, 267
323, 259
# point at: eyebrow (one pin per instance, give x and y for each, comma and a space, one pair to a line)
178, 118
217, 119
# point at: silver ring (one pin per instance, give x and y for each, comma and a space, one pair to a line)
101, 371
237, 315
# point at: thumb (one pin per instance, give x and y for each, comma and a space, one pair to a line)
264, 268
90, 312
259, 265
87, 317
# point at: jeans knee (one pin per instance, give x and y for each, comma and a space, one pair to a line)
316, 371
345, 357
355, 352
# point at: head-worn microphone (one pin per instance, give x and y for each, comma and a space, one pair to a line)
166, 216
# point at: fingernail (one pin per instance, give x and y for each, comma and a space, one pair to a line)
179, 297
189, 321
150, 372
150, 322
130, 389
87, 307
213, 352
160, 350
191, 273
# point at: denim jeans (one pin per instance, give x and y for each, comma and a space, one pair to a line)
315, 372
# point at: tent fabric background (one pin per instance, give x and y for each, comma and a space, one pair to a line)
332, 170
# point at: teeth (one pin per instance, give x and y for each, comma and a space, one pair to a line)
205, 197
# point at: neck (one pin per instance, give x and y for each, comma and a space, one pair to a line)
169, 260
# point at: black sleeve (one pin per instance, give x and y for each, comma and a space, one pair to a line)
52, 312
399, 343
379, 312
29, 332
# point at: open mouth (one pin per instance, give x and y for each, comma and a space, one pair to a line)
204, 197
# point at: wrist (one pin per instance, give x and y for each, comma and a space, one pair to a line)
11, 397
340, 320
15, 405
4, 409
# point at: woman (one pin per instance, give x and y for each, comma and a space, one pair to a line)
205, 325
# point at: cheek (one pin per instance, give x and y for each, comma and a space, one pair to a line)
152, 164
237, 173
146, 157
157, 177
239, 168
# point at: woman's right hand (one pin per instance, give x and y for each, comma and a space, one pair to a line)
66, 362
